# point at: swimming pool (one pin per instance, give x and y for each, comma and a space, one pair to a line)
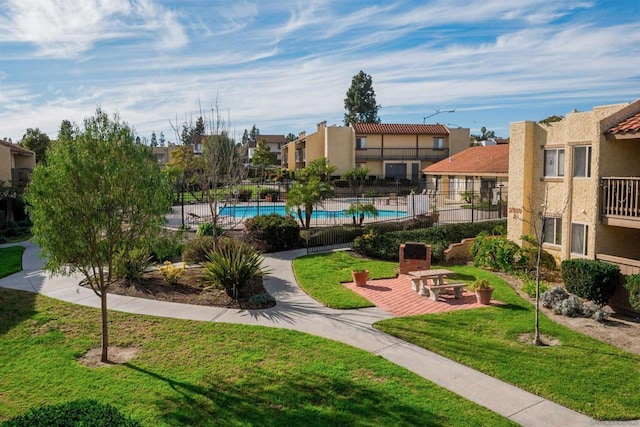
251, 211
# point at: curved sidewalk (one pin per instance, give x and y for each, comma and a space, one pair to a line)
297, 311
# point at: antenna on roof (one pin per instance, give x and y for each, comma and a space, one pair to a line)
424, 119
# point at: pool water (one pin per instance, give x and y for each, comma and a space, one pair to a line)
251, 211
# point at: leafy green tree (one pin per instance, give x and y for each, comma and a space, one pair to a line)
161, 140
36, 141
304, 197
321, 168
360, 102
154, 139
263, 156
254, 133
360, 210
99, 198
67, 130
245, 137
290, 137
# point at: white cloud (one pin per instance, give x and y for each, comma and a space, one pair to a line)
68, 28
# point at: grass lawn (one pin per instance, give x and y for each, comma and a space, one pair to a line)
200, 373
321, 275
582, 373
10, 260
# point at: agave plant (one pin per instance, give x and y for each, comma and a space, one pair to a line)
233, 267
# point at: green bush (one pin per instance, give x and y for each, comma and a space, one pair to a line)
244, 195
529, 286
385, 245
206, 229
195, 250
233, 267
85, 413
632, 284
498, 253
595, 281
272, 233
166, 245
131, 264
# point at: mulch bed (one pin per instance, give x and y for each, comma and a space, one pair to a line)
189, 290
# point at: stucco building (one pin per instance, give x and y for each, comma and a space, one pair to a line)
581, 175
16, 163
397, 151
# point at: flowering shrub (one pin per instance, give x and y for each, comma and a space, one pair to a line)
171, 273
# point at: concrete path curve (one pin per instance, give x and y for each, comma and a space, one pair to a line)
297, 311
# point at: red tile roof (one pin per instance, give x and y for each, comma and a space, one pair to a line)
16, 148
493, 159
630, 125
399, 129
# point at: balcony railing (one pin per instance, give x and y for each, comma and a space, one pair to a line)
620, 197
301, 155
20, 176
430, 154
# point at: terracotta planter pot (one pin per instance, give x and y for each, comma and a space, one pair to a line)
360, 277
484, 296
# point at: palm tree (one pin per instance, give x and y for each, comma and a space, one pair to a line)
361, 209
305, 195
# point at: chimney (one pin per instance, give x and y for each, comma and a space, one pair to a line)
302, 134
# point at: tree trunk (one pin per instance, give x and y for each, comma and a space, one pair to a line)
536, 336
105, 330
307, 220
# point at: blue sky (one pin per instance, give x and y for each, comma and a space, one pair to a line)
286, 65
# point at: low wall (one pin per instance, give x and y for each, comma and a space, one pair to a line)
459, 253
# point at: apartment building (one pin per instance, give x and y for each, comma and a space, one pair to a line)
581, 177
397, 151
274, 142
16, 163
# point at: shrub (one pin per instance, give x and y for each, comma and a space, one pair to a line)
233, 267
497, 253
206, 229
385, 245
571, 307
171, 273
529, 286
552, 297
272, 233
261, 300
130, 265
632, 284
166, 245
244, 195
595, 281
195, 250
86, 413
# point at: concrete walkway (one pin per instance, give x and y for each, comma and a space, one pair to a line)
297, 311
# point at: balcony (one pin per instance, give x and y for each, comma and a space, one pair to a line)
301, 155
20, 176
429, 154
620, 201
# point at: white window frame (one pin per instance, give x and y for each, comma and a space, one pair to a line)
586, 157
576, 232
558, 171
361, 143
554, 230
438, 143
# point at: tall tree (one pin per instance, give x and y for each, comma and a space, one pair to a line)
360, 102
245, 137
254, 133
161, 140
36, 141
263, 156
99, 198
290, 137
67, 130
484, 134
154, 139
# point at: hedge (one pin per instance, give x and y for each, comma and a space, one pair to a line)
272, 233
595, 281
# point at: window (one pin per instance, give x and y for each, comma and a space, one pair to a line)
361, 143
579, 233
438, 143
552, 231
582, 161
554, 162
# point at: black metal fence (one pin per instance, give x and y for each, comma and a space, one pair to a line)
338, 218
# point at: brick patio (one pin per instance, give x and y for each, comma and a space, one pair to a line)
396, 297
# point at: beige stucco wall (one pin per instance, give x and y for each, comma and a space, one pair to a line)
576, 200
5, 164
339, 146
458, 140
